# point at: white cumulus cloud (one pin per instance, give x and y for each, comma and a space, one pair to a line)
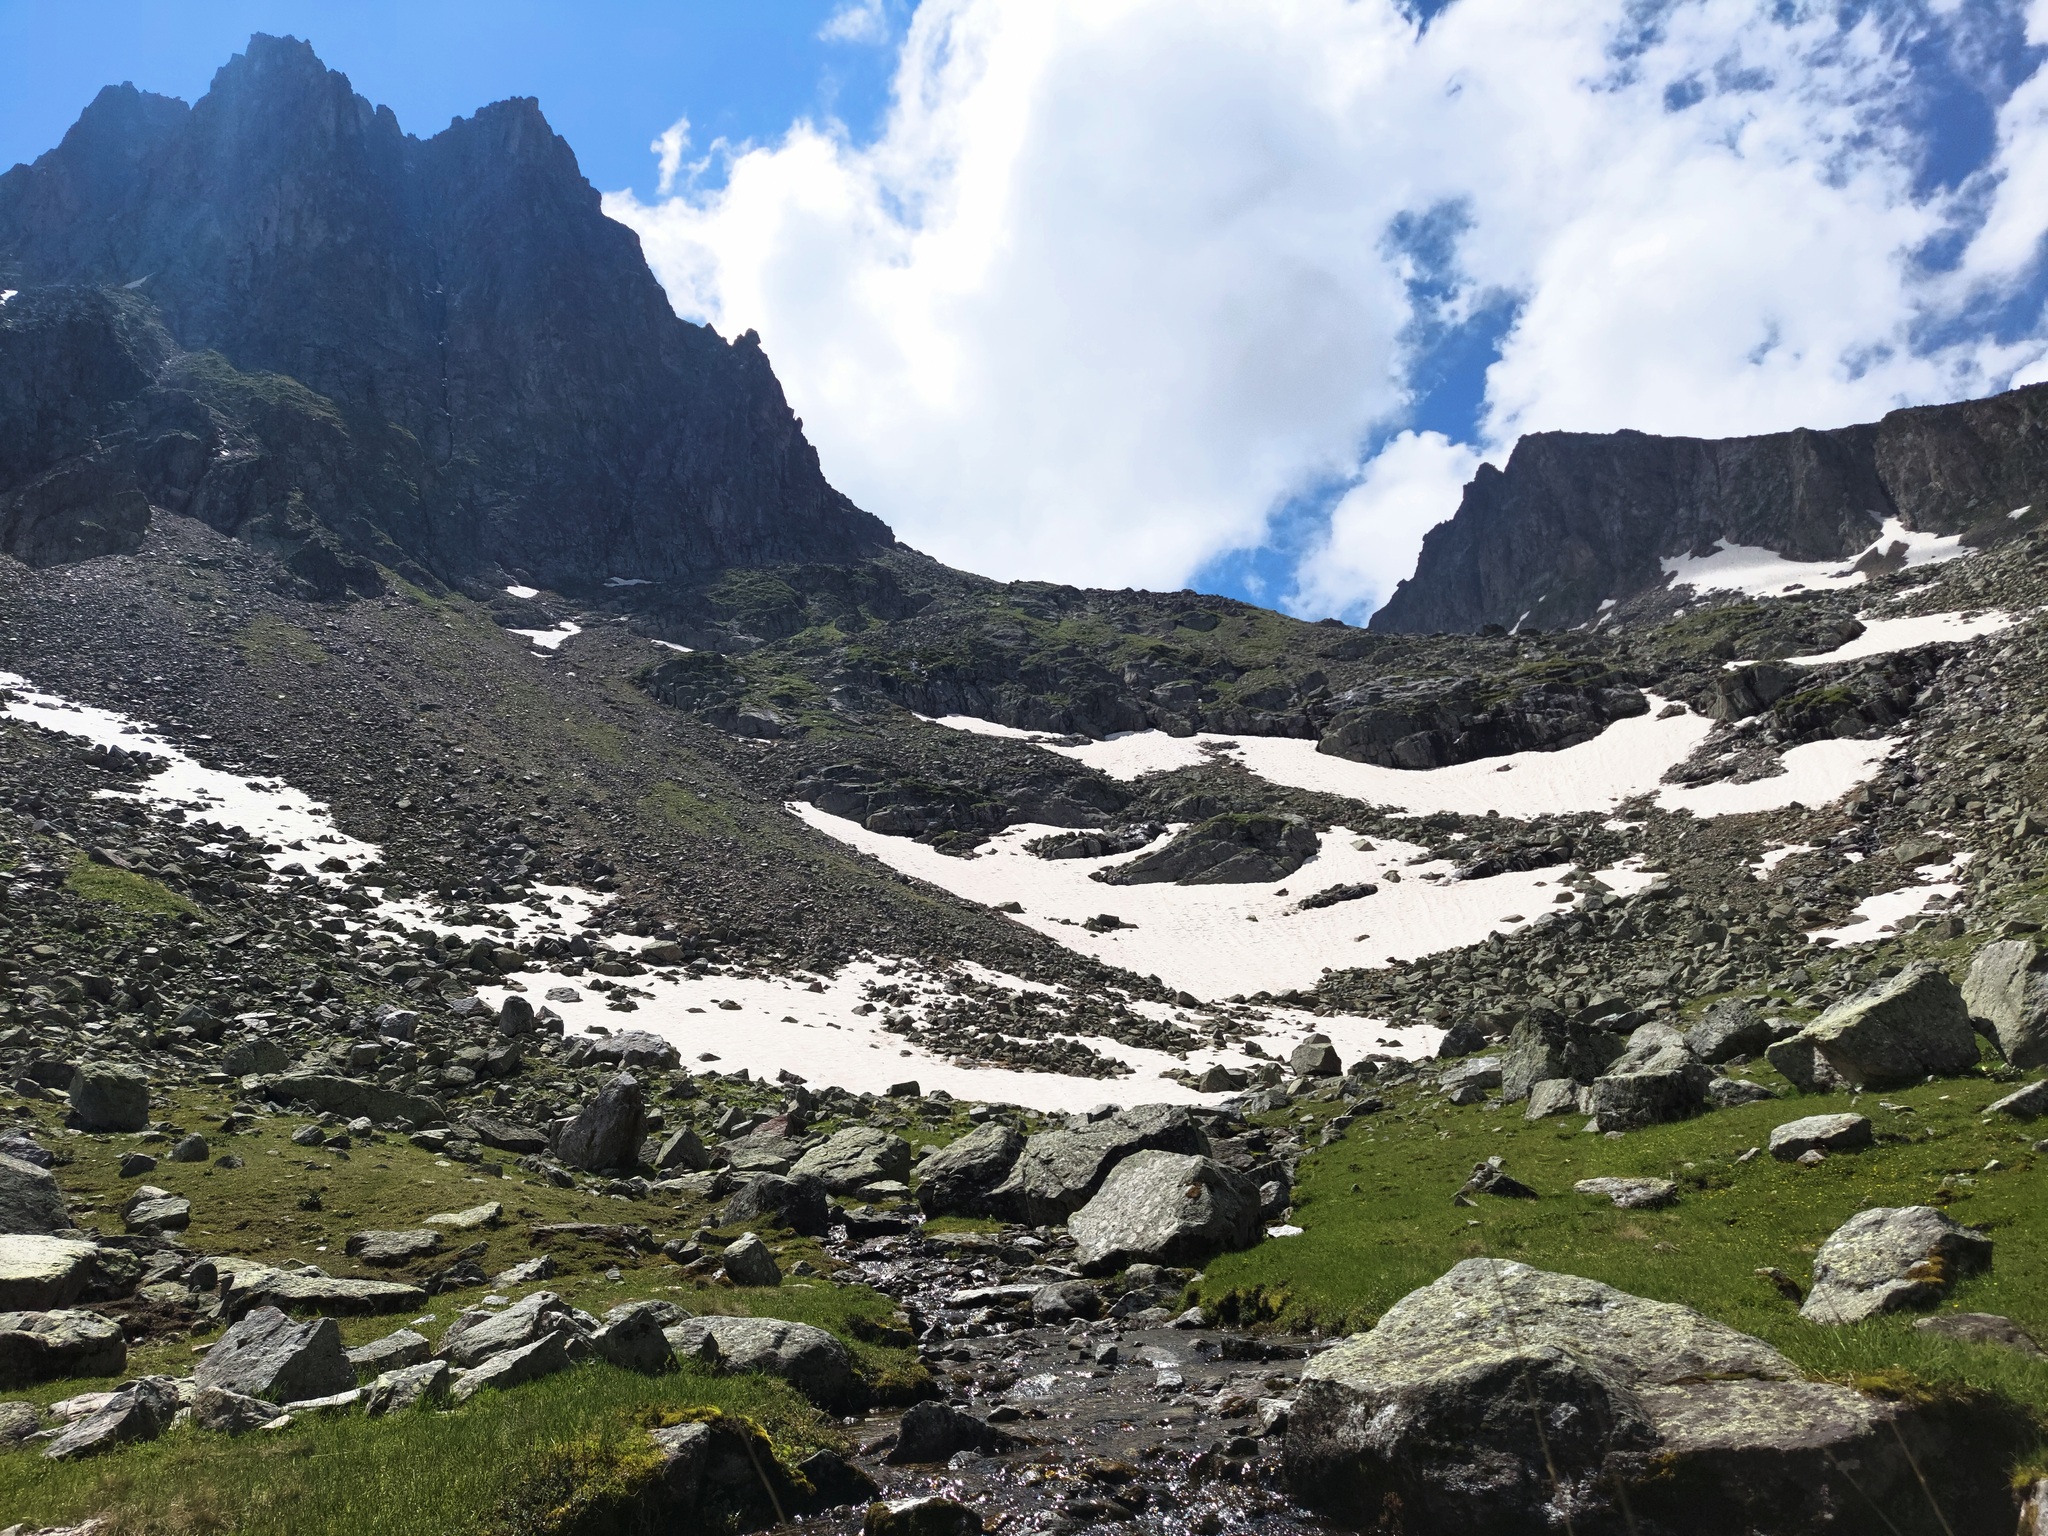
1119, 279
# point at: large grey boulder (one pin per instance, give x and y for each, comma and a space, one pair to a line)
408, 1386
48, 1346
2007, 989
607, 1133
231, 1413
352, 1098
1554, 1096
1165, 1208
1544, 1047
476, 1336
156, 1211
268, 1355
1820, 1133
1315, 1057
141, 1410
1888, 1259
682, 1149
108, 1097
1656, 1079
855, 1157
1897, 1032
934, 1432
1504, 1400
401, 1247
956, 1179
29, 1198
631, 1338
809, 1359
634, 1048
1726, 1030
250, 1286
394, 1352
1058, 1172
748, 1262
545, 1356
775, 1200
37, 1273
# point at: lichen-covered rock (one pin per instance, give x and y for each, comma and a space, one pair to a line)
1503, 1400
408, 1386
1544, 1048
141, 1410
956, 1179
107, 1097
1164, 1208
1727, 1030
854, 1158
476, 1336
1655, 1080
37, 1273
29, 1199
1820, 1133
608, 1132
2007, 988
393, 1352
1237, 848
1554, 1096
513, 1367
809, 1359
48, 1346
1315, 1057
270, 1356
1889, 1259
1897, 1032
1630, 1194
258, 1285
1058, 1172
631, 1338
156, 1211
231, 1413
392, 1247
748, 1262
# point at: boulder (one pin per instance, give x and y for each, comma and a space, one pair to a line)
1553, 1096
231, 1413
634, 1048
1903, 1029
245, 1057
1165, 1208
270, 1356
683, 1150
156, 1211
1630, 1194
631, 1338
1315, 1057
1469, 1081
1801, 1064
1544, 1047
1820, 1133
29, 1199
748, 1262
1061, 1301
771, 1199
1058, 1172
476, 1336
352, 1098
37, 1273
258, 1285
407, 1386
1726, 1030
470, 1219
956, 1179
2007, 990
2028, 1103
393, 1352
505, 1135
932, 1432
392, 1247
1650, 1086
107, 1097
1982, 1328
1888, 1259
855, 1157
1732, 1092
141, 1410
809, 1359
1504, 1400
1237, 848
514, 1367
49, 1346
607, 1133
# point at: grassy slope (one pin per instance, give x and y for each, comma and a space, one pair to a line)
1379, 1221
432, 1472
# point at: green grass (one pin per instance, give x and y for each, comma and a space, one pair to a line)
1379, 1222
124, 888
399, 1476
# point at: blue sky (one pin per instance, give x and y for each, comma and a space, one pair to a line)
1165, 292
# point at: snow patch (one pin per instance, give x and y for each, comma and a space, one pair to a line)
1765, 573
670, 645
627, 581
265, 808
2012, 517
1877, 916
974, 725
8, 293
1881, 637
550, 639
1816, 774
524, 592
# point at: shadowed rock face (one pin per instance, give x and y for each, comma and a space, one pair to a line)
490, 372
1580, 517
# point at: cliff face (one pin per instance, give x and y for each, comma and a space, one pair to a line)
1577, 518
462, 303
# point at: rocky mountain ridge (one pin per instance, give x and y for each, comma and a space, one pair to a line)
433, 353
1577, 520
